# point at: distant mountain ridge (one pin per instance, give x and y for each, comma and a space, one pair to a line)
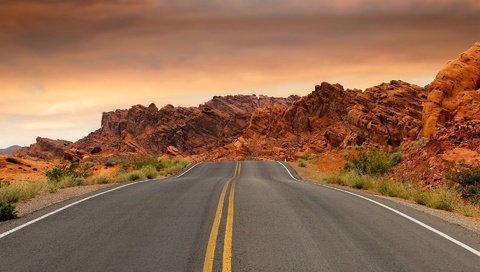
9, 150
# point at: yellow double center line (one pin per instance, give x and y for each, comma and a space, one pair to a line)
212, 241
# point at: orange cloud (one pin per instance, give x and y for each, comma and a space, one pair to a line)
67, 61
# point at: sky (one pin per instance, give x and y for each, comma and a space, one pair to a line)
63, 63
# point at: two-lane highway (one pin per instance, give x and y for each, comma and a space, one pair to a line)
235, 216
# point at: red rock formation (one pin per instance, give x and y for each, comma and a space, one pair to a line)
44, 149
454, 87
194, 130
331, 117
451, 122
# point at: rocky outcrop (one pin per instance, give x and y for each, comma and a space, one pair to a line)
331, 117
453, 91
451, 123
44, 149
177, 130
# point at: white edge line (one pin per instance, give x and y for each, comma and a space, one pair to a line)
288, 171
187, 170
64, 208
451, 239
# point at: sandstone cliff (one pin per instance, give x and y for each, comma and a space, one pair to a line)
451, 122
331, 117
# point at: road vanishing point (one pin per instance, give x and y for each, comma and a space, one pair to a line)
234, 216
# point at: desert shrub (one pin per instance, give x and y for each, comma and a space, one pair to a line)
444, 199
358, 181
308, 157
141, 163
122, 177
393, 189
468, 180
421, 142
74, 170
102, 180
71, 181
302, 163
58, 172
149, 171
135, 175
10, 194
421, 197
372, 162
112, 162
336, 179
171, 167
396, 158
7, 211
351, 179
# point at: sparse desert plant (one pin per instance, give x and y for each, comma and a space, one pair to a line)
358, 181
102, 180
308, 157
421, 142
373, 162
122, 178
444, 199
7, 211
63, 172
71, 181
468, 180
149, 171
392, 189
396, 158
302, 163
112, 162
135, 175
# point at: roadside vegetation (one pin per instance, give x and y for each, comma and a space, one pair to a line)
367, 171
79, 174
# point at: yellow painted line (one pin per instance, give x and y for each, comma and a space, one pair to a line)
227, 245
212, 241
239, 167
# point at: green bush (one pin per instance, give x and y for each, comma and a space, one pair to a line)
421, 142
58, 172
302, 163
168, 167
135, 175
74, 170
392, 189
112, 162
468, 180
149, 171
445, 199
71, 181
122, 178
359, 181
308, 157
372, 162
102, 180
7, 211
396, 158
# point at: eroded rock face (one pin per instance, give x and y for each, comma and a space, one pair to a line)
180, 130
331, 117
44, 149
451, 123
453, 89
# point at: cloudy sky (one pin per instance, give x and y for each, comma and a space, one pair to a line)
62, 63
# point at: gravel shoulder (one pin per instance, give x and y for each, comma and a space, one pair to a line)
46, 199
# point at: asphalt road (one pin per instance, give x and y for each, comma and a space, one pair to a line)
248, 216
